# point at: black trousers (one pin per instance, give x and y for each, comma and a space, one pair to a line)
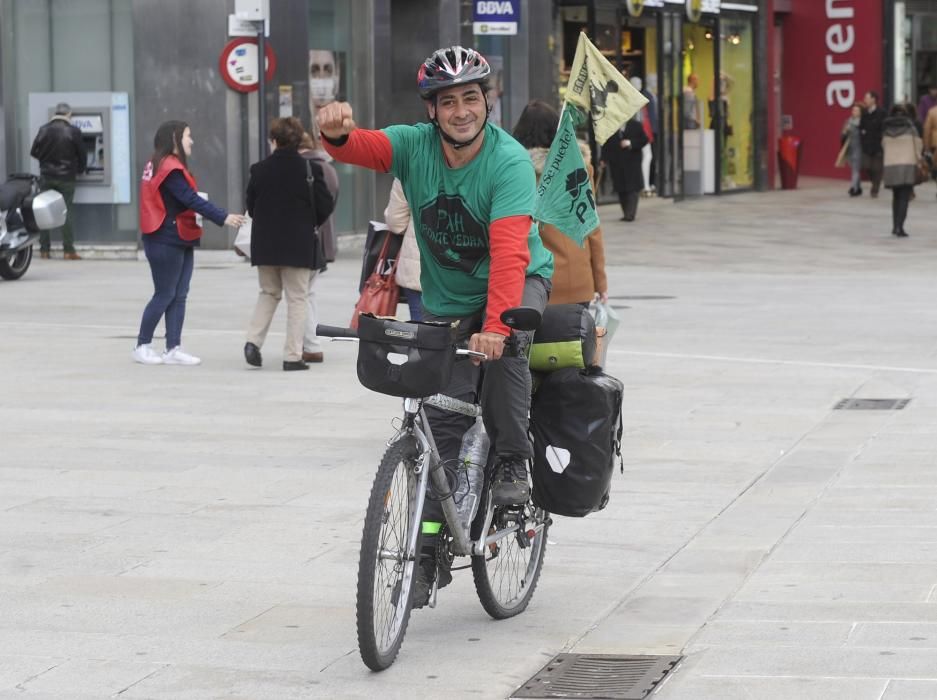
505, 391
874, 166
629, 204
900, 198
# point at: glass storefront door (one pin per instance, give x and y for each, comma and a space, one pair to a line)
701, 112
736, 102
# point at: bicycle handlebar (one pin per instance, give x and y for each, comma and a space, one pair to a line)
340, 332
335, 331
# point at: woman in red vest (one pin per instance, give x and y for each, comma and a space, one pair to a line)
169, 201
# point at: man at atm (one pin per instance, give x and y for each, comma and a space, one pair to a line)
61, 154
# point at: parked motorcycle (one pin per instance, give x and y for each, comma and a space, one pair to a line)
24, 212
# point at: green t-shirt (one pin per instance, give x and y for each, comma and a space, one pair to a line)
453, 207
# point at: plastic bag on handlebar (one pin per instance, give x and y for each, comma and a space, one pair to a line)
398, 358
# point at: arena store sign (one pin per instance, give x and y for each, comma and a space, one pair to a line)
840, 39
239, 66
495, 17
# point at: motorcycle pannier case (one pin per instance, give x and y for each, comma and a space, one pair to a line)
44, 211
412, 359
566, 338
575, 423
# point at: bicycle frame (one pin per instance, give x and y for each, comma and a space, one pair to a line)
417, 424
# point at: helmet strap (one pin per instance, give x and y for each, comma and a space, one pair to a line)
459, 145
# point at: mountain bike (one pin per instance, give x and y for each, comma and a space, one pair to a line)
506, 544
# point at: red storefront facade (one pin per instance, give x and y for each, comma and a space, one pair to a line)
831, 52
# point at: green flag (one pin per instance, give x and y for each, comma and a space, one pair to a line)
564, 194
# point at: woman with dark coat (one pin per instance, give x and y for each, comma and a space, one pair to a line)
621, 154
902, 147
285, 247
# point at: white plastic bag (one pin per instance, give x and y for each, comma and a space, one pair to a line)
606, 323
242, 242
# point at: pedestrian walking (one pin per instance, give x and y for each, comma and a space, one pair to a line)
399, 220
850, 152
169, 200
287, 198
62, 157
902, 151
870, 134
927, 102
311, 148
621, 154
578, 272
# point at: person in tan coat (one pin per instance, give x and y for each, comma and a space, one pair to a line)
902, 151
930, 131
399, 221
578, 272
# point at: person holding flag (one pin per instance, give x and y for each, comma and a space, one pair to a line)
578, 271
471, 189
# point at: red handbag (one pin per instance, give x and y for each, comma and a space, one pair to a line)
380, 293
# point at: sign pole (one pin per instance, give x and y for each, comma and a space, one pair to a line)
261, 81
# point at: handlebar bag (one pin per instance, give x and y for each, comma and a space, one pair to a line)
409, 359
566, 338
575, 424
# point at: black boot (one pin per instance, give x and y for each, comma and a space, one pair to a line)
430, 569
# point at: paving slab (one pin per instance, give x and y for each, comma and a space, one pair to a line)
179, 532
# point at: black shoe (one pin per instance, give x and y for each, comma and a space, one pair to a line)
510, 485
252, 355
855, 192
423, 583
901, 234
292, 366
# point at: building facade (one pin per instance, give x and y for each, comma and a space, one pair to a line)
729, 79
161, 59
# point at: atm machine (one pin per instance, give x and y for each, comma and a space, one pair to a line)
104, 120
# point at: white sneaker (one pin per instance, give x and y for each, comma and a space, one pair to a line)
146, 355
177, 356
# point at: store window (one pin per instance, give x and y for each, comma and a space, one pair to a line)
736, 91
334, 74
699, 115
74, 46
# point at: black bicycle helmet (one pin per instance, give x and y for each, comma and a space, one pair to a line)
455, 65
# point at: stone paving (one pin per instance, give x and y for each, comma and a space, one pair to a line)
176, 532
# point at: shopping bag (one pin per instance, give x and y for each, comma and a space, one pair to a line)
606, 323
242, 242
378, 237
380, 293
841, 156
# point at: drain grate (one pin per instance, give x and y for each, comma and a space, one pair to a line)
608, 676
871, 404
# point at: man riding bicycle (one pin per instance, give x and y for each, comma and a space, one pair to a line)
471, 189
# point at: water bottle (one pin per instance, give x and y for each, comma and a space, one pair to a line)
472, 458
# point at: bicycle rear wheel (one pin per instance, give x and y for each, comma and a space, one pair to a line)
507, 574
385, 570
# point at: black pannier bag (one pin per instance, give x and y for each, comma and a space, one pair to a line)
405, 359
565, 338
575, 423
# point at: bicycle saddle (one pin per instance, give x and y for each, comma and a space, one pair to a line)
522, 318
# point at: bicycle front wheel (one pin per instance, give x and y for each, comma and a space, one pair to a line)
386, 569
507, 574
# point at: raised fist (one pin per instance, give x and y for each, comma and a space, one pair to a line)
335, 120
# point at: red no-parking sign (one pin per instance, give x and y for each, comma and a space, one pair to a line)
239, 66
